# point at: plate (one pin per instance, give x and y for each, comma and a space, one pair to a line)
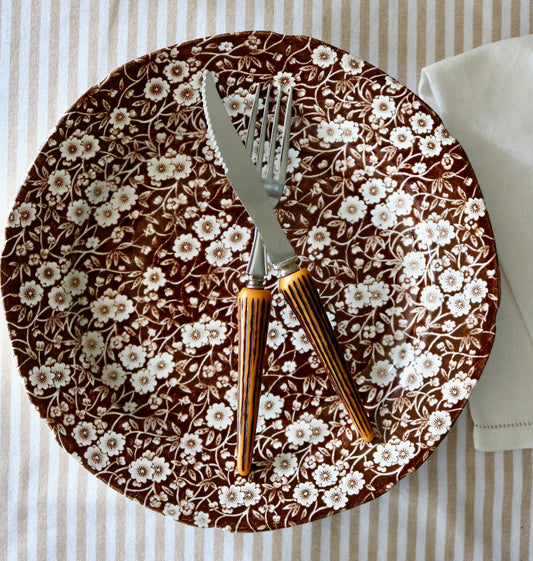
126, 250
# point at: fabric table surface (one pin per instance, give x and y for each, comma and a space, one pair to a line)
461, 504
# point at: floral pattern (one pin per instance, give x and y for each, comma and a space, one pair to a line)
126, 249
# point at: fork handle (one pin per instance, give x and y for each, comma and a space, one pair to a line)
300, 292
253, 312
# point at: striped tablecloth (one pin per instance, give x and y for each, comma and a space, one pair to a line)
462, 504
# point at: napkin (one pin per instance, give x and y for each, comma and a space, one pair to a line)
483, 97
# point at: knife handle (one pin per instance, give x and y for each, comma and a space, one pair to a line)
253, 313
300, 292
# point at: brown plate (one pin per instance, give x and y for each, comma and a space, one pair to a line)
126, 250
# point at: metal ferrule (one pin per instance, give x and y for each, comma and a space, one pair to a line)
287, 267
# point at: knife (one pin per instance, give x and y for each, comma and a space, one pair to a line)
295, 283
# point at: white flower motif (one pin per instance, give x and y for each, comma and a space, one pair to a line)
373, 190
113, 375
219, 416
176, 71
400, 203
298, 433
141, 470
106, 215
378, 293
270, 405
352, 209
123, 307
160, 469
305, 493
92, 344
276, 334
383, 107
119, 118
236, 237
325, 475
30, 293
351, 64
78, 211
143, 381
251, 493
352, 483
161, 365
329, 131
154, 278
300, 341
459, 305
445, 232
335, 498
428, 364
319, 431
59, 182
402, 355
414, 264
475, 208
385, 455
191, 444
41, 377
201, 519
429, 146
453, 391
285, 464
90, 146
182, 166
132, 356
172, 511
411, 379
431, 297
195, 335
356, 296
156, 89
60, 374
383, 217
216, 330
421, 122
230, 497
26, 214
382, 373
218, 254
48, 273
124, 198
186, 247
161, 168
71, 149
59, 299
98, 191
186, 94
439, 422
405, 451
451, 280
426, 233
84, 433
323, 56
476, 290
96, 458
402, 137
319, 237
207, 228
284, 80
103, 309
112, 443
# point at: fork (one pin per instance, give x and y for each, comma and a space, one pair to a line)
254, 300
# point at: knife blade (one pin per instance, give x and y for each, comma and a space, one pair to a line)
295, 283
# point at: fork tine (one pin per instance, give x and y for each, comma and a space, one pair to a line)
284, 160
253, 120
262, 134
273, 138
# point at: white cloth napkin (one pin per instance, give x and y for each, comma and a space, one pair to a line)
485, 99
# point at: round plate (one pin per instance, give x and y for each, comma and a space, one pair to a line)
126, 250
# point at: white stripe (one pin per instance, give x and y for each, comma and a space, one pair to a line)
91, 520
325, 538
392, 54
412, 45
209, 543
278, 16
162, 17
441, 535
110, 524
460, 481
373, 31
430, 32
355, 35
42, 124
149, 533
130, 530
487, 22
201, 13
248, 547
142, 28
267, 547
240, 15
317, 19
516, 505
83, 45
306, 541
188, 542
421, 513
181, 29
220, 16
52, 498
297, 18
479, 493
170, 539
228, 547
336, 22
403, 520
468, 33
122, 26
344, 537
5, 43
286, 543
259, 15
103, 39
72, 510
524, 18
364, 530
14, 469
62, 88
449, 29
22, 91
383, 527
497, 505
506, 21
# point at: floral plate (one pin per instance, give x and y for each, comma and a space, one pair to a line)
126, 249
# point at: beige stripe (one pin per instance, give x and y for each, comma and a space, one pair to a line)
392, 536
496, 20
477, 24
53, 58
132, 7
346, 25
383, 35
364, 29
112, 35
307, 24
191, 18
451, 489
506, 512
488, 505
402, 42
355, 516
515, 19
101, 513
296, 553
120, 517
139, 532
421, 24
92, 63
230, 14
81, 514
327, 17
459, 27
440, 31
412, 516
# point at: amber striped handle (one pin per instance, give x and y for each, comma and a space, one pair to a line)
254, 309
299, 290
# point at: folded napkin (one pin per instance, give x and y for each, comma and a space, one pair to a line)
484, 98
